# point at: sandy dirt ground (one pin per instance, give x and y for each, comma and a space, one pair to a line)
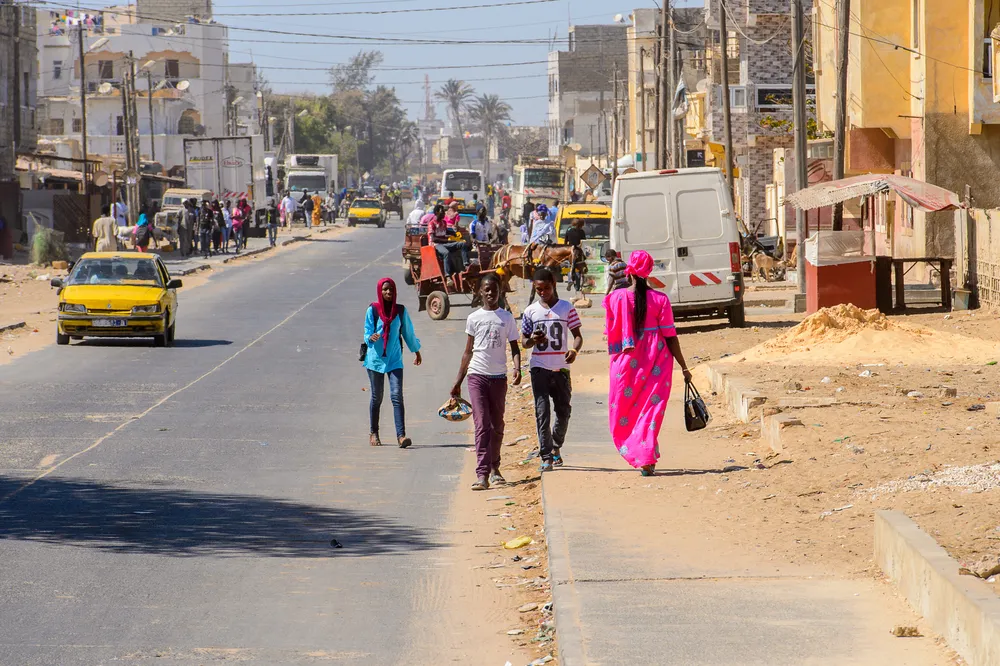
502, 592
909, 432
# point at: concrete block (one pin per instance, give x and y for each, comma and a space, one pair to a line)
717, 379
743, 401
962, 609
772, 429
806, 401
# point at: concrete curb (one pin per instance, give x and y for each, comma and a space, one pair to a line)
740, 397
248, 253
12, 326
962, 609
293, 239
189, 271
565, 604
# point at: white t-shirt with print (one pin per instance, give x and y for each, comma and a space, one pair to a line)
492, 330
558, 321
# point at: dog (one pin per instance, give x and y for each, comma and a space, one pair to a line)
766, 267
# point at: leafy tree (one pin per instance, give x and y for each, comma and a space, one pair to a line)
491, 113
456, 94
357, 73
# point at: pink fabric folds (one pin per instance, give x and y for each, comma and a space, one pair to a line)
641, 371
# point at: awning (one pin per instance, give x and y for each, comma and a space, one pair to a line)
922, 196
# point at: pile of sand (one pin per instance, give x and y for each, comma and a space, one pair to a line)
846, 334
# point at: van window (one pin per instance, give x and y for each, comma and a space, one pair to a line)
645, 219
698, 215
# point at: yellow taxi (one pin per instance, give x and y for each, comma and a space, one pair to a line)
597, 226
366, 210
117, 295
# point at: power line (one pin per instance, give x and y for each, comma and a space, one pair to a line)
380, 12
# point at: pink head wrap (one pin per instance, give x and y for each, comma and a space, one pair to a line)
640, 264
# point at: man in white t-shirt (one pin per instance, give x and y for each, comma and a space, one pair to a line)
490, 330
546, 327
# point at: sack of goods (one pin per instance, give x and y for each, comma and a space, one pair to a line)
456, 409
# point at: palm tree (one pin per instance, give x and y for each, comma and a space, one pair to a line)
491, 113
456, 93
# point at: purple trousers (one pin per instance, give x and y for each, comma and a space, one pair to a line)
488, 396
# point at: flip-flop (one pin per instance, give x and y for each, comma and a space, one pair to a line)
648, 470
374, 440
404, 442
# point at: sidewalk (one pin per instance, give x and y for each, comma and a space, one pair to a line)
638, 578
180, 266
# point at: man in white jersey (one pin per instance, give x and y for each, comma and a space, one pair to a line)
546, 327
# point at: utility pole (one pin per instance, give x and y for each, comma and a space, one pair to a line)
614, 163
727, 119
152, 127
642, 98
672, 63
127, 133
83, 118
18, 78
801, 177
661, 121
133, 187
840, 130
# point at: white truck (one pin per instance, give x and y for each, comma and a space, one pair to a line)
311, 173
231, 167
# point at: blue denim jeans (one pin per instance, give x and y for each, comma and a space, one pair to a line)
226, 232
272, 233
377, 381
206, 243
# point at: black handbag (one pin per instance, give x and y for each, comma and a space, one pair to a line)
696, 414
363, 353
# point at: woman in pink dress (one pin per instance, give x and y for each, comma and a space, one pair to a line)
642, 342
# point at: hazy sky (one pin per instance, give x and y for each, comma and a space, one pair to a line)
524, 87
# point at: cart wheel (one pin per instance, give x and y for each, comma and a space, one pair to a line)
438, 305
408, 276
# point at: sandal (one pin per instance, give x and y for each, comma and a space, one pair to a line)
496, 478
648, 470
482, 484
404, 442
374, 440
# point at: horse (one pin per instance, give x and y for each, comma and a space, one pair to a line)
514, 261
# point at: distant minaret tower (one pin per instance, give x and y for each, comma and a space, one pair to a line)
429, 113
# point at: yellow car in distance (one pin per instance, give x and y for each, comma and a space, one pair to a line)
117, 295
366, 210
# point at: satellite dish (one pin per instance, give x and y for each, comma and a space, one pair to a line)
183, 85
105, 88
575, 147
619, 18
99, 179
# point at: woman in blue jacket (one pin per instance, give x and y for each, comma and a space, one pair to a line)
387, 326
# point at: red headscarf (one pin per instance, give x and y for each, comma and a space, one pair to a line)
386, 317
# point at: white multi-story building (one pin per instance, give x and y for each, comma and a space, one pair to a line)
185, 64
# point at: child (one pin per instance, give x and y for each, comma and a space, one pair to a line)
545, 327
616, 276
485, 362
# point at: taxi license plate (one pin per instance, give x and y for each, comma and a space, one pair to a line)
110, 323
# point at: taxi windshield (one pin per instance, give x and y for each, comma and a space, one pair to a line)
117, 271
594, 227
365, 203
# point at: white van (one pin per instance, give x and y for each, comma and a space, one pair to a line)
684, 218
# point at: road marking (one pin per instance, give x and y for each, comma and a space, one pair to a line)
134, 419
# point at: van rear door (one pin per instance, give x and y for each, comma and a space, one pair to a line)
640, 222
699, 206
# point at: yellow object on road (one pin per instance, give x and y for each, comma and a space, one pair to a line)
519, 542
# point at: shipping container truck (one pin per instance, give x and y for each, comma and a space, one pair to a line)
232, 167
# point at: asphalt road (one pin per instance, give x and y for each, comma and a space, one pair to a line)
177, 505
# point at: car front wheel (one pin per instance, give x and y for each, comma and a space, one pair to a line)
61, 339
